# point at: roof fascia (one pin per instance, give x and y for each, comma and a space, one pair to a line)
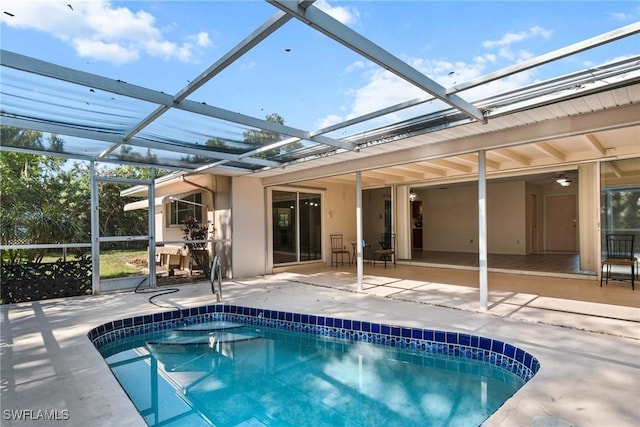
621, 117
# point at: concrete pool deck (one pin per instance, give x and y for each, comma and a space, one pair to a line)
589, 351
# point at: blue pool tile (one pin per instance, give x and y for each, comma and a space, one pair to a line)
496, 352
428, 334
485, 343
497, 346
452, 338
464, 339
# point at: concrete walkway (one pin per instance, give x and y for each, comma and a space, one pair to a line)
589, 351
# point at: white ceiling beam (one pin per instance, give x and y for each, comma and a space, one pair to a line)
429, 170
509, 154
472, 160
548, 149
615, 169
451, 164
344, 35
594, 144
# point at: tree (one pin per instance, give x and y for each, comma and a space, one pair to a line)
31, 212
261, 138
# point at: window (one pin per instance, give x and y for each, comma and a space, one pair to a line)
188, 206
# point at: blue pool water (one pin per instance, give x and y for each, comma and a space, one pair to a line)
238, 366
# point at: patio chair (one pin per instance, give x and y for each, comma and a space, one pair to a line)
387, 251
619, 253
338, 250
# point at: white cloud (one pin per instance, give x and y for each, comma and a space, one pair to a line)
100, 30
356, 65
346, 15
108, 52
510, 38
329, 120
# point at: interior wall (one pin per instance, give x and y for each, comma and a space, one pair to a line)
506, 218
534, 215
551, 218
450, 218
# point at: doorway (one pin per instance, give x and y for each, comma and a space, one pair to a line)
561, 223
296, 227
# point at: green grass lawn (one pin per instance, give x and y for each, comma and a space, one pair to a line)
114, 264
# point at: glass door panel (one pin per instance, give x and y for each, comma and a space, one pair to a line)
297, 227
310, 227
284, 227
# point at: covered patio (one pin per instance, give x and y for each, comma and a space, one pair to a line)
588, 349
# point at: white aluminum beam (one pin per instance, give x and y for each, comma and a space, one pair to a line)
57, 72
60, 129
270, 26
344, 35
605, 38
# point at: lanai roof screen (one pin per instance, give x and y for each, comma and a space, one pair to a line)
248, 86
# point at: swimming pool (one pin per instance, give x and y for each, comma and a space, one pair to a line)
232, 365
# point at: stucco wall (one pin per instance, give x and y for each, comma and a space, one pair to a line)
248, 219
339, 216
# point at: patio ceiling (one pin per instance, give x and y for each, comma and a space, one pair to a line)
584, 116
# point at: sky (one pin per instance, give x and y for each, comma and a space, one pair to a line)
298, 73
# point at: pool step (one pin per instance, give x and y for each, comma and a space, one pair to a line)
210, 326
209, 340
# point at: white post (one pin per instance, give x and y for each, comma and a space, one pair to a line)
152, 230
95, 232
482, 228
359, 247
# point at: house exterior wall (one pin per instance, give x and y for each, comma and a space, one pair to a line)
339, 216
249, 227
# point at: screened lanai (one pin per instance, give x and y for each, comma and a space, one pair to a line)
565, 110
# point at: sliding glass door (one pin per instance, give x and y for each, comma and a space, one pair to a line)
296, 227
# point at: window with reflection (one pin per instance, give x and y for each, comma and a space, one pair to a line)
620, 199
188, 206
296, 227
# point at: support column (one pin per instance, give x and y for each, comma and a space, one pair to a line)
359, 248
482, 228
589, 216
403, 222
95, 232
152, 230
